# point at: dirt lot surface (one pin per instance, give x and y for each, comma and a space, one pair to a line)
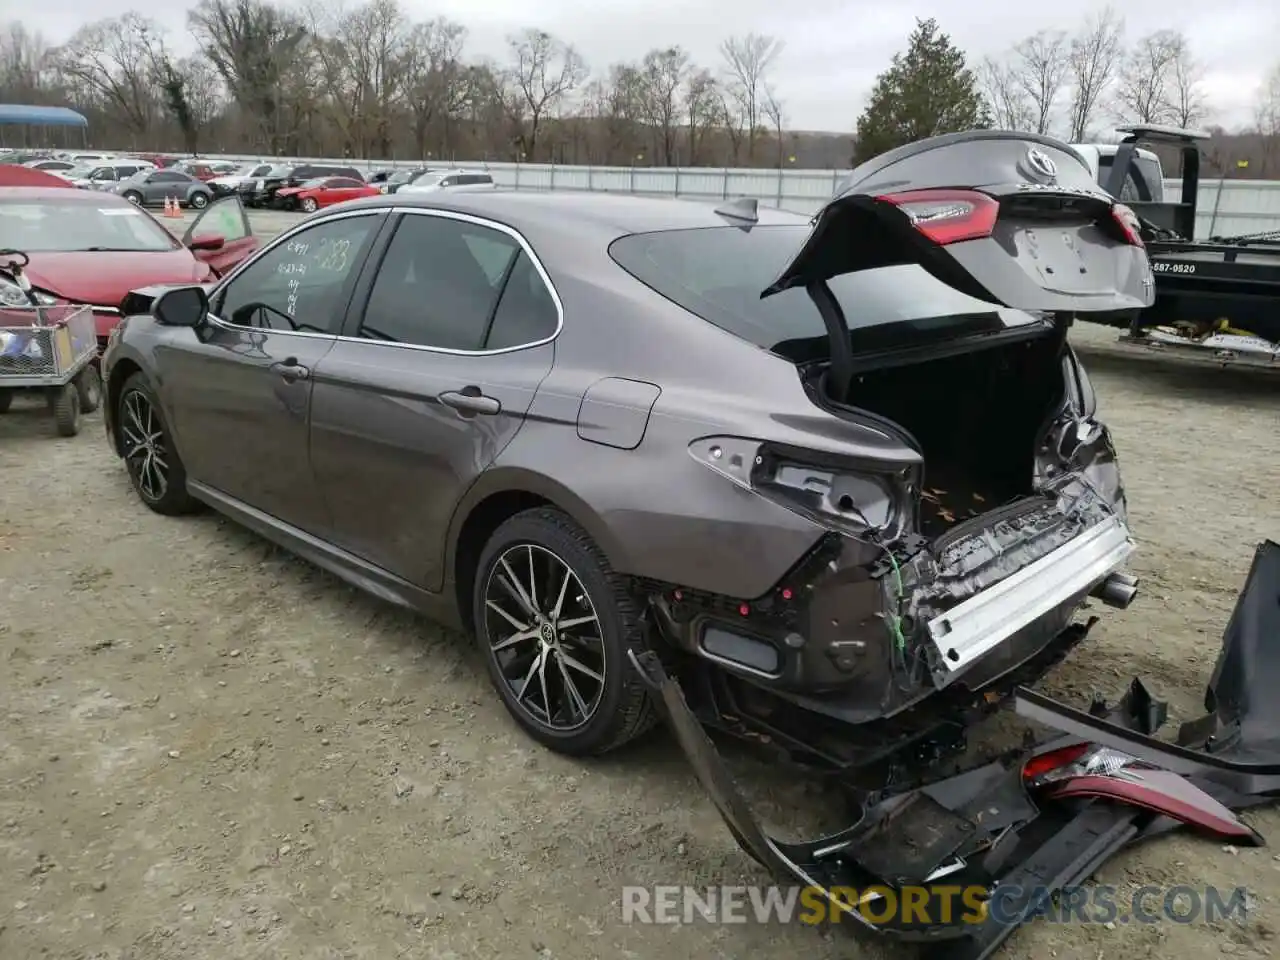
211, 750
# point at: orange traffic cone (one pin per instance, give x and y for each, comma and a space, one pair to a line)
175, 211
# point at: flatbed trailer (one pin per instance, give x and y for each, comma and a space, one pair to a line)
1219, 299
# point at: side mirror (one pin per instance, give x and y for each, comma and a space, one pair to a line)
181, 307
207, 241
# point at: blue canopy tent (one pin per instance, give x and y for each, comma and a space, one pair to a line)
26, 116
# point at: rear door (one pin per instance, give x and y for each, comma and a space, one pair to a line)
446, 344
1013, 219
227, 219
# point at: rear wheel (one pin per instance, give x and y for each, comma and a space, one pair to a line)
134, 197
199, 200
155, 469
555, 625
89, 386
309, 205
66, 410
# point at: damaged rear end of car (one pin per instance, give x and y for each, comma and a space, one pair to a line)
968, 516
957, 549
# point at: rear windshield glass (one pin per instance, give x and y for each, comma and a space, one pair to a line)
1142, 183
719, 272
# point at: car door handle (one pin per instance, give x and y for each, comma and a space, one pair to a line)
470, 400
290, 370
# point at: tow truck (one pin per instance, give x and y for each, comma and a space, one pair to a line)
1217, 300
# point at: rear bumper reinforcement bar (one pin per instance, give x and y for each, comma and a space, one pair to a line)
981, 623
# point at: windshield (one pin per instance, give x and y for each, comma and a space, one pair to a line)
428, 180
400, 176
718, 273
53, 226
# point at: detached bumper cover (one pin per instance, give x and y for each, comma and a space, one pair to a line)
997, 830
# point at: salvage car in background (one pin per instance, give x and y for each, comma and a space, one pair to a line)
152, 188
323, 192
540, 415
452, 180
93, 248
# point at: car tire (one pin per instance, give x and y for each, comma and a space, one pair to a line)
66, 410
198, 200
134, 197
89, 386
309, 205
602, 703
138, 414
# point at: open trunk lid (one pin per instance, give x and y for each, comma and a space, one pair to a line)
1011, 218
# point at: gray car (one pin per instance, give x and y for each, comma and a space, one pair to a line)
152, 188
846, 477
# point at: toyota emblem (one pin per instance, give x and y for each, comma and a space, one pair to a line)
1041, 163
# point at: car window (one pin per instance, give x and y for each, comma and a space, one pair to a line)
432, 289
343, 182
225, 219
527, 312
261, 171
449, 182
717, 273
103, 173
169, 176
300, 280
470, 179
1142, 181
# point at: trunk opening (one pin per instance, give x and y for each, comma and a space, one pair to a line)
975, 416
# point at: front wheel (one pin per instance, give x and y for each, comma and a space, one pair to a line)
555, 625
199, 201
155, 469
309, 205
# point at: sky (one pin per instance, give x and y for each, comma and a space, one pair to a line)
833, 48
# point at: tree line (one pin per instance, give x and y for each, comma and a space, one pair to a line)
370, 82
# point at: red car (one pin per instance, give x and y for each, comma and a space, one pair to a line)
323, 192
91, 247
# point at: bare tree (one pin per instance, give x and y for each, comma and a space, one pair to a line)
437, 84
24, 62
1185, 99
1010, 107
1093, 61
259, 50
747, 62
775, 112
661, 76
545, 71
703, 110
112, 62
1142, 95
1041, 64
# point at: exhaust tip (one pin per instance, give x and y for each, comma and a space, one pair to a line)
1117, 590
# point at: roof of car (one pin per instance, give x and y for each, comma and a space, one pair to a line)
610, 213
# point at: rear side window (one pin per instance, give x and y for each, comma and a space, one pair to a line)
718, 273
455, 285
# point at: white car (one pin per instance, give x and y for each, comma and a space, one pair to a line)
467, 180
105, 175
229, 183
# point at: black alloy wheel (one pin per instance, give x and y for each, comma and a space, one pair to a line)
155, 469
555, 625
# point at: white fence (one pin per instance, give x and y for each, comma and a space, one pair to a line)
1226, 207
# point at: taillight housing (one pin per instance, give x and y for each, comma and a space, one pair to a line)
1128, 223
948, 216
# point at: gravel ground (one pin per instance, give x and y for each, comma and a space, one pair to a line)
212, 750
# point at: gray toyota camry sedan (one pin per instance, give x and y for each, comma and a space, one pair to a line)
843, 474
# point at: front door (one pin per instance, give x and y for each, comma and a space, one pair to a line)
437, 369
240, 392
225, 219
